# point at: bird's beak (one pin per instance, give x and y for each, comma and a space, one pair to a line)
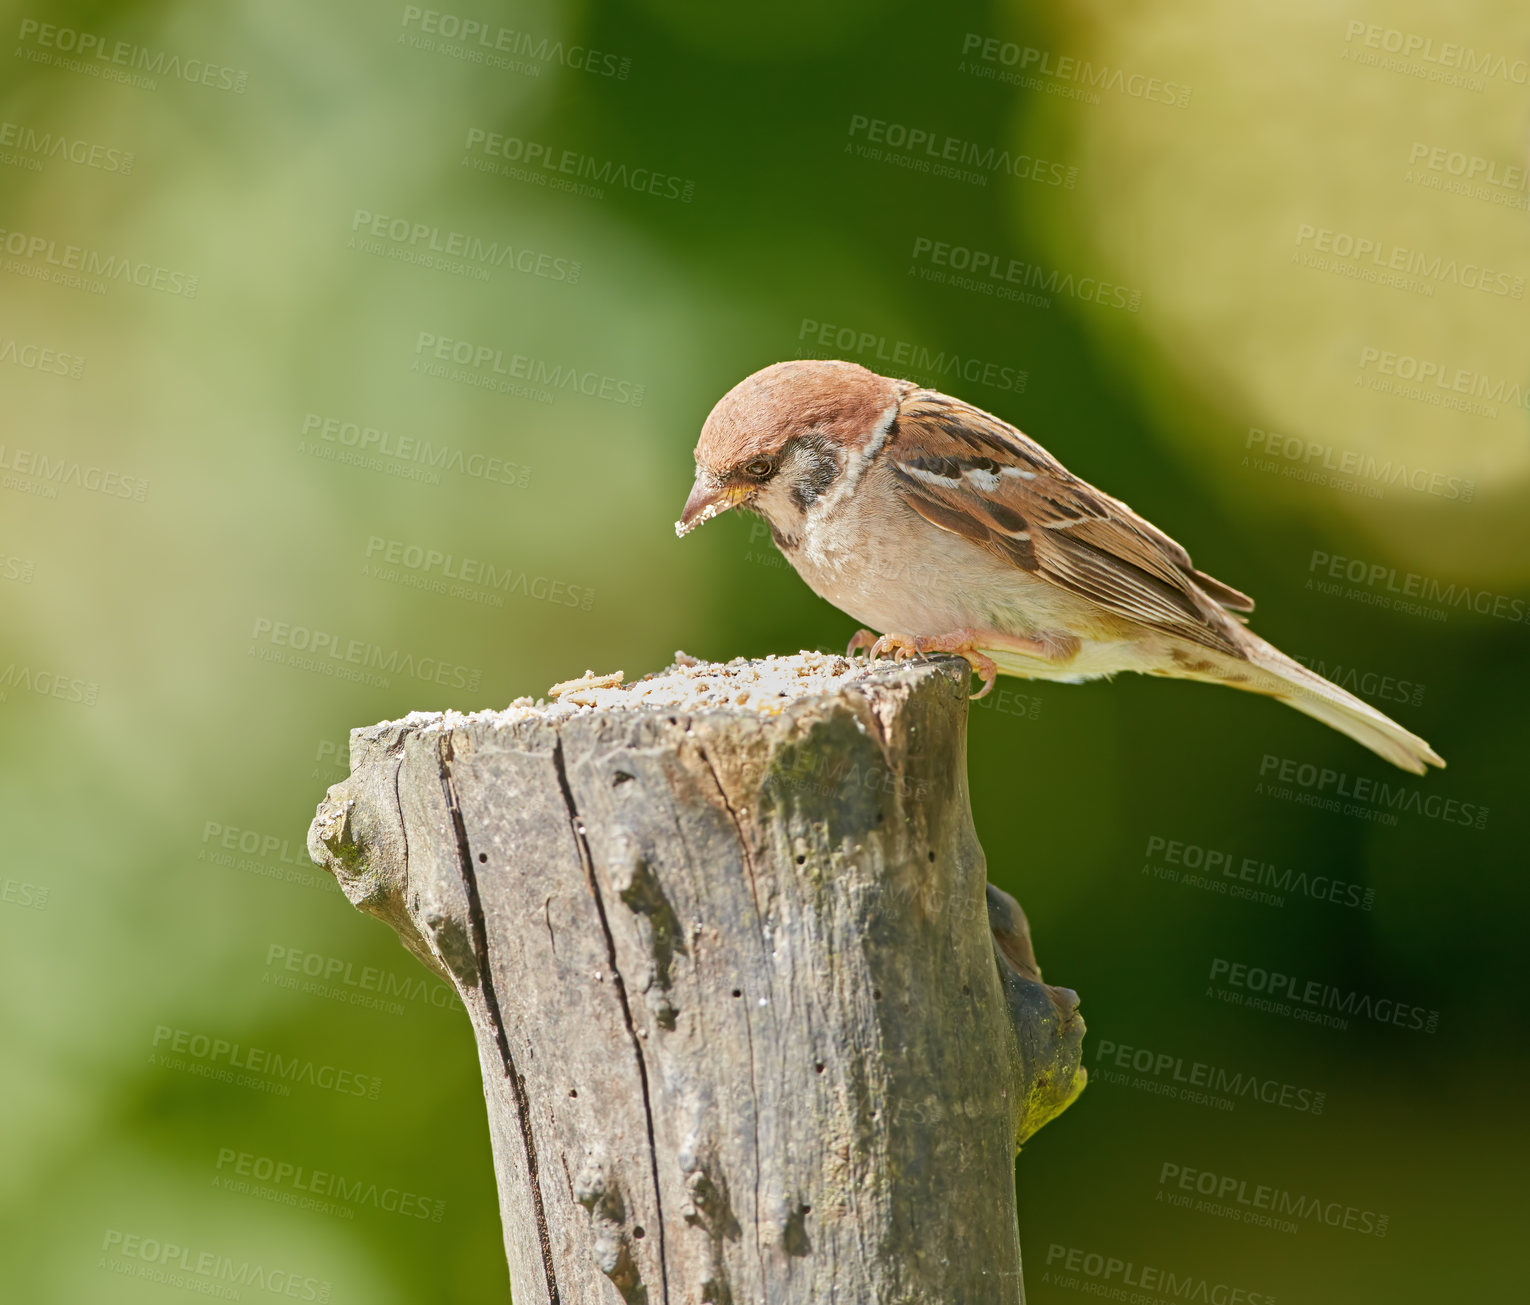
707, 499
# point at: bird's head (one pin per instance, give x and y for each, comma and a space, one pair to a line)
780, 440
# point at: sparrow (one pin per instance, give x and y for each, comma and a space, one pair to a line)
945, 529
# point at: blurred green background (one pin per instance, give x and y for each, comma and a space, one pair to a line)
352, 358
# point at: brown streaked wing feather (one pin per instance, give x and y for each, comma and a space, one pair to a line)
950, 459
1235, 600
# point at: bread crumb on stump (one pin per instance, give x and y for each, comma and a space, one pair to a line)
764, 687
574, 689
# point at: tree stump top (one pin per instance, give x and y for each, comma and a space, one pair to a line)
766, 688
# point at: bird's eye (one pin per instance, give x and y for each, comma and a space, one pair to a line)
760, 468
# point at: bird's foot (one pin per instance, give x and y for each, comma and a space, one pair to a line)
962, 643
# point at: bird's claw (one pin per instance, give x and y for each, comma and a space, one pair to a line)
986, 668
904, 646
860, 639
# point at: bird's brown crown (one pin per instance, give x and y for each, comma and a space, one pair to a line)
840, 401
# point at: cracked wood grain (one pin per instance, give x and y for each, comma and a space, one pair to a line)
517, 1083
752, 1025
631, 1288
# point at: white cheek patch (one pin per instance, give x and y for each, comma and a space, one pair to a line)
856, 462
883, 429
774, 502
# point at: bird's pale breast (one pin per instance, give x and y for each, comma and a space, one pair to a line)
880, 562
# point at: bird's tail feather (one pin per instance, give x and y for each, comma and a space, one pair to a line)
1309, 692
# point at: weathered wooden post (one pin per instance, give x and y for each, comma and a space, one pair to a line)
751, 1028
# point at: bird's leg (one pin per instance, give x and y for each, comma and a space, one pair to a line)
963, 643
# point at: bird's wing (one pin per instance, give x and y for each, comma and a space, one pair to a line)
966, 471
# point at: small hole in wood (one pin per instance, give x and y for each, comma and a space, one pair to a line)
818, 1066
737, 992
621, 777
573, 1092
802, 860
932, 855
807, 1209
966, 990
639, 1233
483, 856
876, 994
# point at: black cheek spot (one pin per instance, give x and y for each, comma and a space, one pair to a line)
821, 471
